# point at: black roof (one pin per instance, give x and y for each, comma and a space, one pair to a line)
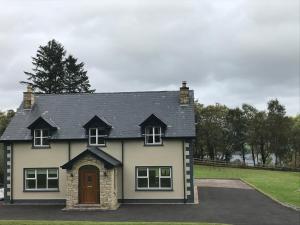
124, 111
109, 161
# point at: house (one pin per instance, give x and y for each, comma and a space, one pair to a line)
101, 149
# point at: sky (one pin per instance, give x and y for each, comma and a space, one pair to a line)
229, 51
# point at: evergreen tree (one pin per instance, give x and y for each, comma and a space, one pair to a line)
76, 80
54, 73
48, 72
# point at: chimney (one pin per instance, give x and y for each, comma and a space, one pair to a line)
28, 98
184, 94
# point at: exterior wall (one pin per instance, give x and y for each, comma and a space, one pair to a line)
27, 157
170, 154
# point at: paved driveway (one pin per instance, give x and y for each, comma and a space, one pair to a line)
217, 204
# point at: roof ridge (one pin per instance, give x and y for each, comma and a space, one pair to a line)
118, 92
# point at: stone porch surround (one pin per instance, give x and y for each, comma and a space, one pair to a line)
108, 186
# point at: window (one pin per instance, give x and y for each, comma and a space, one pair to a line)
41, 179
153, 136
41, 138
154, 178
96, 136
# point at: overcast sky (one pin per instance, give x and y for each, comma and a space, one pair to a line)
231, 52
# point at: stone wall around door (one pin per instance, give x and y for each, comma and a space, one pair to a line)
108, 185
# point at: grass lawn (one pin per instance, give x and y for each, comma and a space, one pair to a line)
28, 222
283, 186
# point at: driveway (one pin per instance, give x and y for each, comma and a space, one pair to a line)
238, 206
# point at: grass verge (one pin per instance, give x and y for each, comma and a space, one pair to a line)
282, 186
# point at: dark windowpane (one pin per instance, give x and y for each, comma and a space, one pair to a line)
30, 184
165, 171
37, 141
142, 172
165, 182
93, 140
93, 132
157, 139
45, 133
45, 141
52, 173
30, 173
149, 139
153, 177
53, 183
41, 178
142, 182
157, 130
101, 141
149, 130
37, 133
101, 132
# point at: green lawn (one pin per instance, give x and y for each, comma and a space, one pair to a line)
24, 222
283, 186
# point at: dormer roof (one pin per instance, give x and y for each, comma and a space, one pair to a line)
153, 120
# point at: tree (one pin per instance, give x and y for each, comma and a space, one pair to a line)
54, 73
236, 125
261, 135
295, 140
250, 114
278, 126
211, 132
76, 80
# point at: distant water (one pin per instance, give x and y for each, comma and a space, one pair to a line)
249, 160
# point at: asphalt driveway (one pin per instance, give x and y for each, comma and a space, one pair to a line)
217, 204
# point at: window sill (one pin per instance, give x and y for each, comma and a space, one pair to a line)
154, 190
153, 145
96, 145
41, 190
40, 147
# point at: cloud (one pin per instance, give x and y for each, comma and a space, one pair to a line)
231, 51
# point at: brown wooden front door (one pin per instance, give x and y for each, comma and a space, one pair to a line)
89, 188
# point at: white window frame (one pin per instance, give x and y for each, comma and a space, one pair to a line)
159, 177
41, 137
153, 135
96, 136
35, 178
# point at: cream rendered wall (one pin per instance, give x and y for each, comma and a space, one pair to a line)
26, 157
135, 154
170, 154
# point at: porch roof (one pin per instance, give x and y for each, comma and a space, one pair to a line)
108, 160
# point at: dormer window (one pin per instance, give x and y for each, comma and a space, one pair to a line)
41, 138
41, 130
153, 135
153, 129
97, 130
97, 136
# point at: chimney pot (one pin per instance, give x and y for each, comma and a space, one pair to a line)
184, 96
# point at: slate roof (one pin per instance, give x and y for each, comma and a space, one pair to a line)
109, 161
124, 111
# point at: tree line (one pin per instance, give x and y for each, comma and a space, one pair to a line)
222, 132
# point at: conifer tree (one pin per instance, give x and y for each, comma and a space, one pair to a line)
53, 73
76, 79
